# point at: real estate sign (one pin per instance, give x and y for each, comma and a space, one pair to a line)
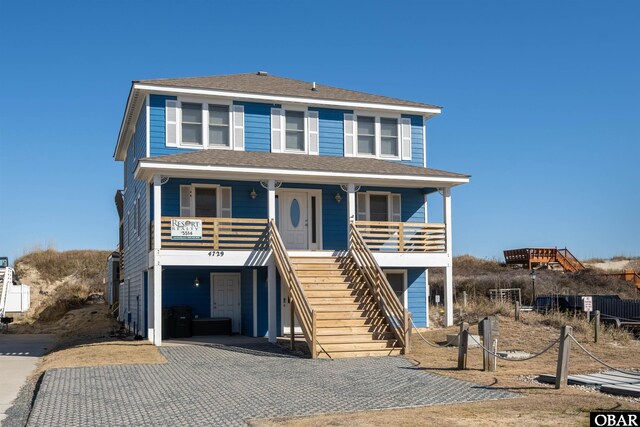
186, 229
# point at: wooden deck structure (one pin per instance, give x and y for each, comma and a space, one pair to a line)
533, 257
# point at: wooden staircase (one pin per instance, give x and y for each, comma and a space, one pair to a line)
349, 322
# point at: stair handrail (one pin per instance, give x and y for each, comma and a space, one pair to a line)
304, 311
570, 258
399, 317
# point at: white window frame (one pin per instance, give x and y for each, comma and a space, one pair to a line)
378, 134
205, 123
217, 187
405, 291
389, 195
298, 109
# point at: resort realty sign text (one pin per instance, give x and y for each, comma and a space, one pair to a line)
186, 229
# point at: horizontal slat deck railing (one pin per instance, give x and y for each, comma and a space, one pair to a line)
304, 311
399, 317
529, 256
402, 236
221, 234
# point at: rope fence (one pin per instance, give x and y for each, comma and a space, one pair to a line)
533, 356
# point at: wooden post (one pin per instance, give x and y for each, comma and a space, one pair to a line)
292, 327
487, 342
464, 298
463, 345
596, 327
401, 236
517, 311
216, 244
314, 353
407, 331
562, 370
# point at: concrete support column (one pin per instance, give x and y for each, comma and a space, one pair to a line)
448, 273
272, 302
155, 303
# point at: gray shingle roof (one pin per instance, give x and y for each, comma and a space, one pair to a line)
274, 85
300, 162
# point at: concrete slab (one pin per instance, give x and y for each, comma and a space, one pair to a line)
612, 382
454, 340
19, 356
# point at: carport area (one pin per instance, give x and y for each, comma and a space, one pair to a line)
228, 384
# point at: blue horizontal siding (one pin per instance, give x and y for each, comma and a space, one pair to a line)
417, 149
242, 205
417, 296
157, 128
331, 131
257, 126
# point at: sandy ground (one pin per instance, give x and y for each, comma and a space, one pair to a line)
541, 404
614, 266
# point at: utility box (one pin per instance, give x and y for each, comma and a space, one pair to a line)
181, 323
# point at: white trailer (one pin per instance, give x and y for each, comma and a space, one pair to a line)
15, 297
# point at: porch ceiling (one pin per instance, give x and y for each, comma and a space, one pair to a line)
246, 165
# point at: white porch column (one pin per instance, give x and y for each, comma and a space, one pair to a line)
351, 208
448, 271
426, 209
156, 302
272, 302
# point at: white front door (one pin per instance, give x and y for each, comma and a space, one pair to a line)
294, 219
225, 298
286, 313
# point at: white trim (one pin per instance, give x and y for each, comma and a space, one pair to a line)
239, 287
405, 284
424, 142
148, 108
426, 296
262, 173
276, 99
254, 290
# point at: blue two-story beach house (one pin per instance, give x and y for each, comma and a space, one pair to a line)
275, 203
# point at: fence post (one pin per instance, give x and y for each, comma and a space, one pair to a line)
463, 345
596, 327
464, 298
314, 353
562, 370
517, 311
487, 342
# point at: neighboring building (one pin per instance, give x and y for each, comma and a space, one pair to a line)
113, 278
210, 163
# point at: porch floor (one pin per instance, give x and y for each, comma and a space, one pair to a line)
217, 384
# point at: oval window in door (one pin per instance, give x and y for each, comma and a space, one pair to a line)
294, 212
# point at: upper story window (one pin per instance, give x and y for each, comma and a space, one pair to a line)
219, 119
204, 125
377, 136
294, 130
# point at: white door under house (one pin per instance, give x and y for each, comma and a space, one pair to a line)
299, 219
225, 298
286, 313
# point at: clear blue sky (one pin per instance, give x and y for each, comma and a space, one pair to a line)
541, 104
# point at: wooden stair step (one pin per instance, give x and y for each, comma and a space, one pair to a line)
335, 293
364, 299
353, 306
319, 273
333, 314
325, 279
334, 287
367, 353
317, 260
356, 338
336, 323
359, 346
350, 330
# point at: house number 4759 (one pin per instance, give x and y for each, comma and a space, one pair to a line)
216, 253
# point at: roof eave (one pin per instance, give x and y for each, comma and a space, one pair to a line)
146, 169
177, 90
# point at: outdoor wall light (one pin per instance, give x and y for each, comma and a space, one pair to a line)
196, 282
253, 194
338, 197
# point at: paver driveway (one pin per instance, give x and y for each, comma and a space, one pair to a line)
214, 385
